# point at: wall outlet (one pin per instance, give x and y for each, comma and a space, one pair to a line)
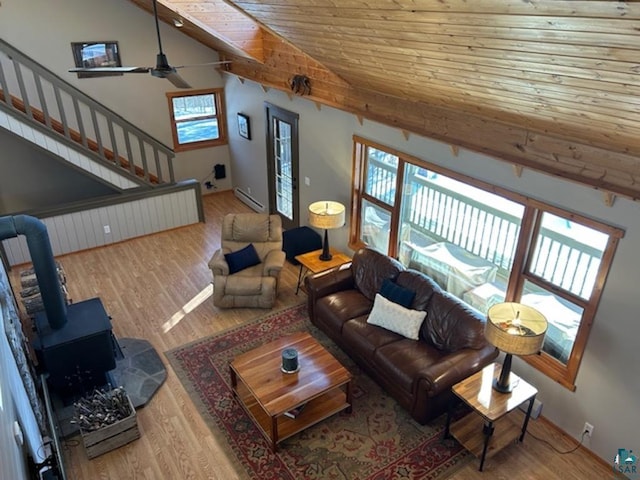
588, 428
107, 229
307, 181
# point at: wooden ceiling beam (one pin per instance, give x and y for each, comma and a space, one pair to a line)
214, 23
551, 86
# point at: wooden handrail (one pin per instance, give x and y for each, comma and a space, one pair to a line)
92, 145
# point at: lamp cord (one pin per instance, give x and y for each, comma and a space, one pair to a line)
560, 451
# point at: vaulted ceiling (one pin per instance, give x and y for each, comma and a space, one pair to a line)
547, 84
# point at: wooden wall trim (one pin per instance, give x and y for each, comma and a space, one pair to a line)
567, 158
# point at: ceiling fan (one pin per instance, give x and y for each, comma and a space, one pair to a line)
162, 68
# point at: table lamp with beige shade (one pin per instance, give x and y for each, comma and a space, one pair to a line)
326, 214
515, 329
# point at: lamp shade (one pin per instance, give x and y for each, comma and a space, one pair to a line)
326, 214
515, 328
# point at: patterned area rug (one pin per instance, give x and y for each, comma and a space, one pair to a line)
378, 440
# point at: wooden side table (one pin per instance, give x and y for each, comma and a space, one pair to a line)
490, 408
312, 263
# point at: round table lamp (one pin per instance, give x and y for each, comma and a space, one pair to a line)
326, 214
516, 329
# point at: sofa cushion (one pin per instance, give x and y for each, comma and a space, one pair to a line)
451, 325
396, 318
401, 362
397, 294
336, 308
365, 338
420, 283
370, 268
239, 285
244, 258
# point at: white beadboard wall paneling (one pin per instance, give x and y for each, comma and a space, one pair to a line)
69, 153
142, 214
4, 120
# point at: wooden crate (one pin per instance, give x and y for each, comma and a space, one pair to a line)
113, 436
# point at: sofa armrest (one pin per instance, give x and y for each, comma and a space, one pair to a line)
218, 264
273, 263
454, 368
325, 283
330, 281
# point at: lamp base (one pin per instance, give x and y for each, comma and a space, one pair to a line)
503, 383
508, 388
325, 256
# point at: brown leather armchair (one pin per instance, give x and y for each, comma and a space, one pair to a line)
255, 286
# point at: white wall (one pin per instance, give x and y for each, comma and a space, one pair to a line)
44, 30
325, 148
608, 393
11, 456
15, 409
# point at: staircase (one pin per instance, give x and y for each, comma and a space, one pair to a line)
34, 96
40, 107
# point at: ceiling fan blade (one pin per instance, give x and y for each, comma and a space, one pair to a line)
111, 70
207, 64
162, 68
177, 80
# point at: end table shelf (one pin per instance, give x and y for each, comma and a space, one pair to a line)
322, 384
469, 431
488, 428
315, 410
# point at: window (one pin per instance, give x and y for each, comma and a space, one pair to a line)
486, 245
197, 119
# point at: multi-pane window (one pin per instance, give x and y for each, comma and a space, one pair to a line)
486, 245
197, 119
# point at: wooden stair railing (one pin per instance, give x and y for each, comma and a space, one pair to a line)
92, 145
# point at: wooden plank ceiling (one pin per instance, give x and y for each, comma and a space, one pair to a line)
551, 85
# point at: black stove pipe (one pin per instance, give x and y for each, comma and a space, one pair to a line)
44, 264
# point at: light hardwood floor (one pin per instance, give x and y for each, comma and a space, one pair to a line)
146, 284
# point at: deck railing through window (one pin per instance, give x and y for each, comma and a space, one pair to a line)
444, 215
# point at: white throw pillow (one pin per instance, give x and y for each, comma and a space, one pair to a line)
394, 317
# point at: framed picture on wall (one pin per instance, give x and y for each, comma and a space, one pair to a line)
244, 127
96, 54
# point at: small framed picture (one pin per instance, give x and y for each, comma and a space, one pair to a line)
96, 54
244, 127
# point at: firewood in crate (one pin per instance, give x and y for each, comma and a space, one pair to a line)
107, 420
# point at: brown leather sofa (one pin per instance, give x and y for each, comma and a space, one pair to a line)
419, 373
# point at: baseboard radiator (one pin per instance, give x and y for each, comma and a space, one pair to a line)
248, 199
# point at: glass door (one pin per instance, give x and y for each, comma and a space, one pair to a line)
282, 155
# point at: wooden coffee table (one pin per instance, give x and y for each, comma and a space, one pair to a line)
322, 385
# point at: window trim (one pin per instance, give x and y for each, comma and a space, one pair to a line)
218, 96
565, 374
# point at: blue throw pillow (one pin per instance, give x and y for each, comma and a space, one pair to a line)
244, 258
397, 294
